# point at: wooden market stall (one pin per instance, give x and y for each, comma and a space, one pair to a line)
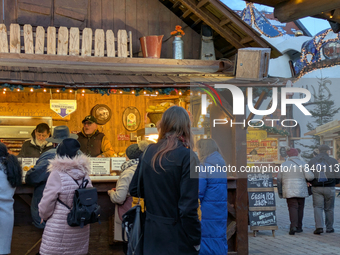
89, 51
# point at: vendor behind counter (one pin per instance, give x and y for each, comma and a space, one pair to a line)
92, 142
37, 145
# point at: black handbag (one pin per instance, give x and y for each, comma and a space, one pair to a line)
133, 222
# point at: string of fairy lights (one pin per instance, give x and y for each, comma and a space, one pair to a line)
6, 88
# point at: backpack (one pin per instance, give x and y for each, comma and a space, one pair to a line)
85, 209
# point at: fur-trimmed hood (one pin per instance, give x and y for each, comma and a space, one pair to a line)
76, 167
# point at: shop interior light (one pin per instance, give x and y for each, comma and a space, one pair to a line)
156, 92
58, 90
83, 91
132, 92
31, 89
199, 93
120, 91
18, 90
180, 93
44, 90
5, 89
71, 90
144, 92
191, 93
82, 94
4, 92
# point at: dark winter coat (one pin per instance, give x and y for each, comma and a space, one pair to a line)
213, 195
333, 176
31, 150
37, 177
171, 201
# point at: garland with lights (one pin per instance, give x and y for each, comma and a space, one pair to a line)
269, 129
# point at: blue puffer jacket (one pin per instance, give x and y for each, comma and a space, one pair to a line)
213, 195
37, 177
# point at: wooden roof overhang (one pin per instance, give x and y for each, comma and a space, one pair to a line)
230, 31
286, 11
103, 72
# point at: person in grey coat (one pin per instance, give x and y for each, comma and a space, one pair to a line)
10, 178
292, 185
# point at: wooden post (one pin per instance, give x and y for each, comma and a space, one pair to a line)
110, 44
51, 40
40, 40
28, 39
99, 43
14, 38
74, 41
3, 39
239, 145
62, 41
122, 43
86, 48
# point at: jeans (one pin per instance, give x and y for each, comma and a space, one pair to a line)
296, 206
323, 201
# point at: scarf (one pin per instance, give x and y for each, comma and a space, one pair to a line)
129, 163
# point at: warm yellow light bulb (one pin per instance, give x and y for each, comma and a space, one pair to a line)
31, 89
44, 90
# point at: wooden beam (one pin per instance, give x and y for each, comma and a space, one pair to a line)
175, 5
186, 14
239, 22
202, 3
224, 21
196, 23
211, 21
246, 40
292, 10
231, 229
239, 143
231, 210
257, 105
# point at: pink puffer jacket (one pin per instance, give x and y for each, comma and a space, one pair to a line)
58, 237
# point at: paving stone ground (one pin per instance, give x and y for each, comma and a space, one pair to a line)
300, 243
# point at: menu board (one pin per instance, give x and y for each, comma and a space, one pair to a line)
262, 218
27, 164
259, 180
117, 162
261, 198
262, 206
100, 166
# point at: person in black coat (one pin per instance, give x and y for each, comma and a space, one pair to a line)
169, 186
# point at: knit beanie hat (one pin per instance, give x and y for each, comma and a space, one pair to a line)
292, 152
324, 148
68, 147
135, 150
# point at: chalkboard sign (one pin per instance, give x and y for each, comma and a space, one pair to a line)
262, 218
258, 180
261, 199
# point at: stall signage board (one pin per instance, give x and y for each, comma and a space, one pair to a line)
262, 206
63, 107
257, 135
100, 166
262, 218
259, 180
122, 137
117, 162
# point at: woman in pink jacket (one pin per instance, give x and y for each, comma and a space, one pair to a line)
58, 237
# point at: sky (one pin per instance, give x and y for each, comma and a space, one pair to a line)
312, 24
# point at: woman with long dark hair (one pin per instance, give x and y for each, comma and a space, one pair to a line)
169, 188
213, 195
10, 178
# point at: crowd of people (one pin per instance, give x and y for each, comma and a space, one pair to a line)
186, 211
173, 193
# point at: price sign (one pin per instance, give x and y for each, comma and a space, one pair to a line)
116, 163
100, 166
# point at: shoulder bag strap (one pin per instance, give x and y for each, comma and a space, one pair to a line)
140, 174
